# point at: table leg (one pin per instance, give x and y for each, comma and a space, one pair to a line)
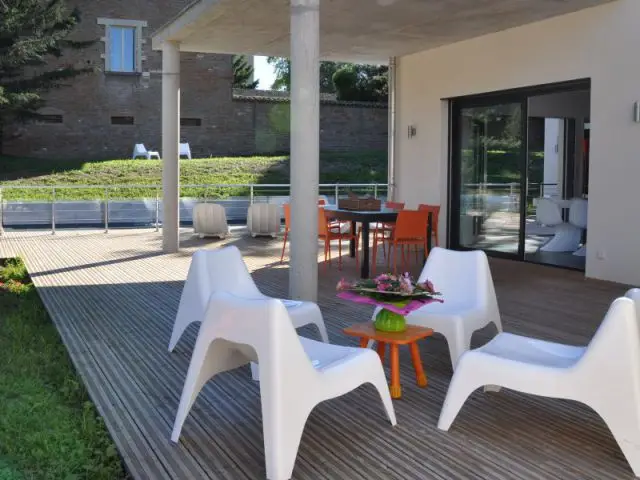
364, 273
421, 378
395, 389
381, 347
352, 242
364, 342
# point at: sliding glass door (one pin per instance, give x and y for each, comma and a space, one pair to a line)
489, 142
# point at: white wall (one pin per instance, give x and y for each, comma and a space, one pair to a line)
600, 43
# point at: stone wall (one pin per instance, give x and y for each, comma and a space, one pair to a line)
343, 126
227, 123
241, 125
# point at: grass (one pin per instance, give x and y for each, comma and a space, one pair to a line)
49, 429
365, 167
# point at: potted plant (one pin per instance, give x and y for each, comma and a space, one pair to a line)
397, 295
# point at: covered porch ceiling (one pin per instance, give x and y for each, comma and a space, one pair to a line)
367, 31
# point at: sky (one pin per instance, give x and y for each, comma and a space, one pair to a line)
263, 72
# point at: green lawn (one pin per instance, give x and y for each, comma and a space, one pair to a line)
49, 429
366, 167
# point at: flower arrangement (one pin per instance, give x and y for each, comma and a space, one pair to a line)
398, 295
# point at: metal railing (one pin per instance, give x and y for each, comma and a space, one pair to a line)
109, 206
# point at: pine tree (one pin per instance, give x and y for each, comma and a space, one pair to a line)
243, 73
33, 37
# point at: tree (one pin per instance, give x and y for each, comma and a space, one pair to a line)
362, 83
282, 68
243, 73
349, 81
33, 37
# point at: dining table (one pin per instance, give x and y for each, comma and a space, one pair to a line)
366, 218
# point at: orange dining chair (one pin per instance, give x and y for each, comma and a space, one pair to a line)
287, 225
410, 229
434, 210
382, 231
329, 232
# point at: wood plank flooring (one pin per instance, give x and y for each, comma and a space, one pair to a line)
113, 297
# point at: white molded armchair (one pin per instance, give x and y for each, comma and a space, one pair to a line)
578, 213
566, 237
139, 150
470, 303
223, 269
296, 373
184, 151
604, 375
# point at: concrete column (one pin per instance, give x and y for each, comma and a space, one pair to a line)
391, 132
170, 144
305, 148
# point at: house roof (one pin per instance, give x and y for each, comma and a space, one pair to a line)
368, 31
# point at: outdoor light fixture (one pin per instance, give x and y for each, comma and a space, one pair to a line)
636, 112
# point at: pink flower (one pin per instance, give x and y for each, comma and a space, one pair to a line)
383, 277
428, 286
383, 287
343, 285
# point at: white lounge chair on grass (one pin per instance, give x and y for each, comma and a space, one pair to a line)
139, 150
185, 151
604, 375
224, 270
470, 303
296, 373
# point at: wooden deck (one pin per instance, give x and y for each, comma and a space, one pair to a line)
113, 298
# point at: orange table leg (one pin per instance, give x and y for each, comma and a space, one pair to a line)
364, 342
381, 347
421, 378
395, 389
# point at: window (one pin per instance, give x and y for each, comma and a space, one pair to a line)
47, 119
190, 122
122, 49
122, 45
122, 120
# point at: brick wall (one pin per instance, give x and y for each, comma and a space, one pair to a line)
229, 124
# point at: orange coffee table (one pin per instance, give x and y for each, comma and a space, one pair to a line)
413, 333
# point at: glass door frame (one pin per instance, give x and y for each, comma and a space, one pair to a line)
516, 95
455, 188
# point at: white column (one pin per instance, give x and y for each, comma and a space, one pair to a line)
391, 131
170, 143
305, 148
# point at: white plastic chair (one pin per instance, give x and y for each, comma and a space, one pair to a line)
566, 237
296, 373
224, 270
604, 375
578, 212
139, 150
210, 220
470, 302
185, 151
